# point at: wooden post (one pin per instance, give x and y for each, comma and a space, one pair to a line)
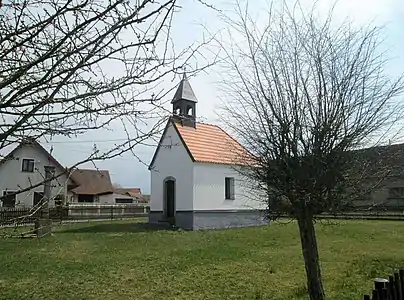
380, 283
401, 273
397, 286
49, 173
43, 225
391, 287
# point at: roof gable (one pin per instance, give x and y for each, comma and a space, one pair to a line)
207, 143
378, 161
35, 144
128, 191
169, 123
91, 182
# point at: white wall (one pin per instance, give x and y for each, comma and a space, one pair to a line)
106, 199
172, 161
120, 196
209, 189
13, 179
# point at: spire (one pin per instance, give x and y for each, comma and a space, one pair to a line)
184, 91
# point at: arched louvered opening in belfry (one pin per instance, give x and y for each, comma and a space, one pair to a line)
190, 110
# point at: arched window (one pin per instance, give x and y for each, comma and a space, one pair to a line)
190, 111
177, 110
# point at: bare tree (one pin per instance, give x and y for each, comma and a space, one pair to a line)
68, 67
304, 94
116, 185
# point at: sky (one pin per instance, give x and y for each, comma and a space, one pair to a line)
190, 25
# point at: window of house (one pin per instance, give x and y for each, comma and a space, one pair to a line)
9, 199
396, 192
229, 188
28, 165
83, 198
123, 201
365, 195
59, 199
38, 198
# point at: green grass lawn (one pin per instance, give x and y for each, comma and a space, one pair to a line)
122, 260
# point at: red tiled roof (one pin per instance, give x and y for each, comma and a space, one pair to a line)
128, 191
211, 144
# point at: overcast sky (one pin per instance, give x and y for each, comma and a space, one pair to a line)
128, 171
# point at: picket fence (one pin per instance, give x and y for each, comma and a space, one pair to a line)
9, 216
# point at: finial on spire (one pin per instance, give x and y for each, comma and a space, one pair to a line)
184, 74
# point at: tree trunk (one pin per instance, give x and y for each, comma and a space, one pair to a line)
310, 255
43, 225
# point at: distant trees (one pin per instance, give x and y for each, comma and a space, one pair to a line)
303, 94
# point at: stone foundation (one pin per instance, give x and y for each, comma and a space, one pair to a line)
213, 219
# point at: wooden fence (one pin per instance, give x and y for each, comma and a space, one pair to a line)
9, 216
388, 289
99, 211
359, 215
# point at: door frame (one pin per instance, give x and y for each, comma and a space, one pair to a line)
5, 192
165, 206
33, 197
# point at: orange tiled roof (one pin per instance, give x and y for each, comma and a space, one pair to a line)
211, 144
130, 191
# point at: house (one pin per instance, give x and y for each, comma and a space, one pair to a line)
128, 196
24, 167
146, 199
90, 186
194, 180
381, 172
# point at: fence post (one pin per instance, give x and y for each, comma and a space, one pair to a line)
112, 212
380, 283
380, 288
397, 286
393, 288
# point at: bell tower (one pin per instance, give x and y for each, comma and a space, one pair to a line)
184, 104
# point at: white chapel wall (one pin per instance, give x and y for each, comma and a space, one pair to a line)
209, 189
172, 160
